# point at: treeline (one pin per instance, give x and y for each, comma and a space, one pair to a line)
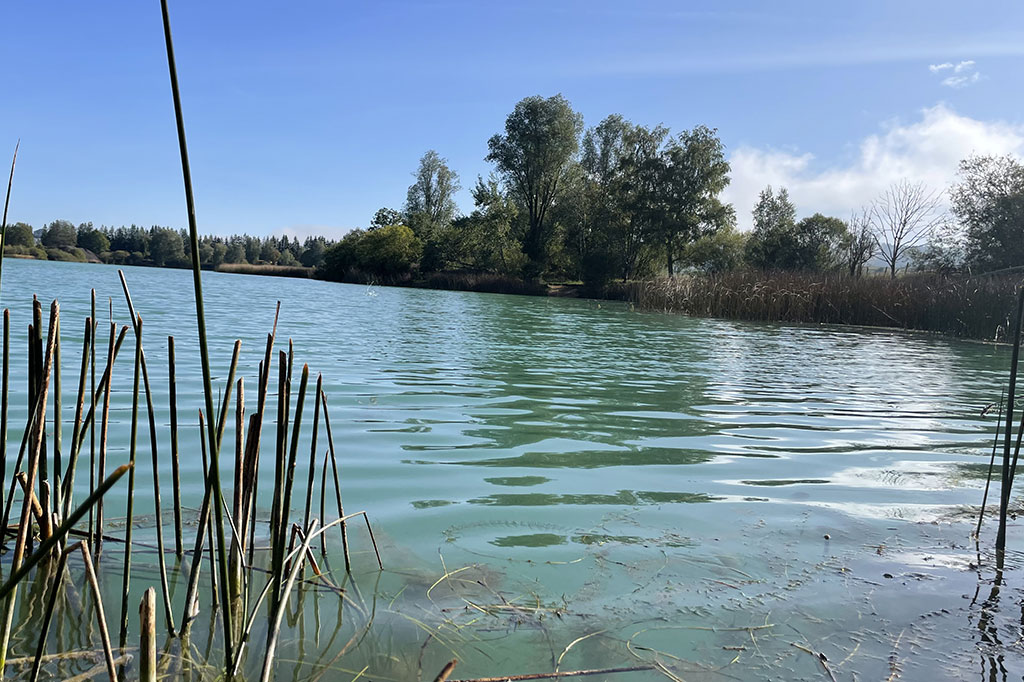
157, 246
617, 201
623, 201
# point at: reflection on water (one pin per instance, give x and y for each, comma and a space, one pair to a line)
657, 485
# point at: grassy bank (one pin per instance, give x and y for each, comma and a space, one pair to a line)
979, 308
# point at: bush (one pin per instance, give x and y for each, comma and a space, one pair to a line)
70, 254
17, 250
389, 253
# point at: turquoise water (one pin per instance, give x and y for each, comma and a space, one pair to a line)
655, 484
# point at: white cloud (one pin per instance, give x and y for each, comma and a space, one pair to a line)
956, 82
927, 150
963, 73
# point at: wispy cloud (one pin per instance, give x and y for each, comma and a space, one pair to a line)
960, 75
928, 150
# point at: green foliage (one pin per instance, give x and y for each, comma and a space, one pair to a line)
25, 251
58, 234
695, 173
91, 239
774, 224
534, 158
430, 202
778, 242
386, 252
166, 247
70, 254
235, 253
719, 251
384, 217
988, 203
19, 234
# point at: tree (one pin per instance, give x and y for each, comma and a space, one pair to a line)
774, 224
235, 253
902, 218
384, 217
988, 204
59, 234
92, 239
534, 156
430, 202
640, 195
861, 245
20, 234
696, 172
165, 246
820, 243
719, 251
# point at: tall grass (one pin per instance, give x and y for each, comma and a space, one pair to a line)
980, 308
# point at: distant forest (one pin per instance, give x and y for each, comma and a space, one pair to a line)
618, 201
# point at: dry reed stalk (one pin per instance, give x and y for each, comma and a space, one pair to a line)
7, 203
101, 619
34, 452
64, 529
147, 637
275, 623
51, 604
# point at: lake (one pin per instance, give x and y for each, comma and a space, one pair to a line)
575, 483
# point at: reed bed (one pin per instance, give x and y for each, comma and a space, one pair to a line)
299, 271
979, 307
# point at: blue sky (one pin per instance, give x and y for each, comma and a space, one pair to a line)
308, 116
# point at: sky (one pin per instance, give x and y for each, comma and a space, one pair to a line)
306, 117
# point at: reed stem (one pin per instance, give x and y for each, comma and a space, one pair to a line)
172, 400
201, 323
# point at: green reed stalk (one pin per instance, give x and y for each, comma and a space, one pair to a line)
279, 609
172, 399
201, 323
101, 619
69, 476
1007, 478
51, 604
197, 554
7, 203
129, 513
337, 483
168, 613
4, 398
312, 450
323, 488
35, 449
209, 529
91, 420
104, 424
277, 512
293, 451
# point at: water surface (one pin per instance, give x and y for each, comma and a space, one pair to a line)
658, 484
